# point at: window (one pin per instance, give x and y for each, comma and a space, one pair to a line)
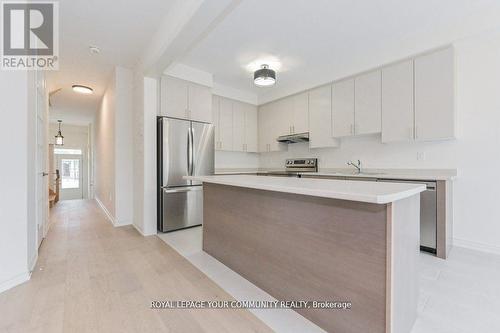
70, 173
65, 151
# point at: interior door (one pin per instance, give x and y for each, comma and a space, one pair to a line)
42, 188
70, 167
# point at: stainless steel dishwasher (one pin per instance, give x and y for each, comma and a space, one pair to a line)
428, 213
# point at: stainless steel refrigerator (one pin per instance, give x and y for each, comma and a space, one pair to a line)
184, 148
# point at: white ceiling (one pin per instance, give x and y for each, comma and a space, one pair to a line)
316, 41
121, 29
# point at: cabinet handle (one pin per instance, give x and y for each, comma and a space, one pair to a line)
416, 132
352, 129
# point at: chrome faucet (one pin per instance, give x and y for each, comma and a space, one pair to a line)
357, 165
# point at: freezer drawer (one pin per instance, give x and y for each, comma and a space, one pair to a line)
182, 208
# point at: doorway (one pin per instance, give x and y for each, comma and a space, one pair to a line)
70, 165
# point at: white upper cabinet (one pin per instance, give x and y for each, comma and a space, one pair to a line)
320, 118
244, 127
397, 102
271, 126
235, 125
185, 100
174, 97
435, 96
343, 108
199, 102
300, 121
225, 124
368, 104
251, 121
238, 127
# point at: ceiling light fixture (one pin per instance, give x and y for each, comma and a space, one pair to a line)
82, 89
59, 137
94, 50
264, 77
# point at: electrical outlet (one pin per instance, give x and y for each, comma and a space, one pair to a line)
420, 156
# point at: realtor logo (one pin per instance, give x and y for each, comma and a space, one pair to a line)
30, 38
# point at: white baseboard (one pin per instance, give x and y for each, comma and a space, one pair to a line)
33, 261
142, 232
106, 212
17, 280
476, 246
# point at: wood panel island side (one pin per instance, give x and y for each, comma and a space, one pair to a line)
325, 240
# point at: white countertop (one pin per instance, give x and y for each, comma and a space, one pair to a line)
372, 192
403, 174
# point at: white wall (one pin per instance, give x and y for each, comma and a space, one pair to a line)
14, 178
104, 141
113, 149
475, 153
123, 146
232, 160
144, 134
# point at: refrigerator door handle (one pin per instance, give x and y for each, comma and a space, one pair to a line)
182, 189
188, 152
192, 152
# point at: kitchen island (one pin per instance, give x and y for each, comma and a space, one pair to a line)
327, 240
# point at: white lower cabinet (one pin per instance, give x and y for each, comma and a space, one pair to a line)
320, 118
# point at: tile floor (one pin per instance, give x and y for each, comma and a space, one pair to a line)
457, 295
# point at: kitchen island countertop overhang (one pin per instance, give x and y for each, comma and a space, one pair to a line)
370, 192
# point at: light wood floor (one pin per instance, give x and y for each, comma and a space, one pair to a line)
92, 277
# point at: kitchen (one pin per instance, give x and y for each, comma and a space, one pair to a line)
392, 122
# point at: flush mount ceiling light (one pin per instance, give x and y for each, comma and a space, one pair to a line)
82, 89
94, 49
59, 137
264, 77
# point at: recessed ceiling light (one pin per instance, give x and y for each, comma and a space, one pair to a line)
82, 89
264, 77
94, 49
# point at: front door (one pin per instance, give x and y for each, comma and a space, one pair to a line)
70, 168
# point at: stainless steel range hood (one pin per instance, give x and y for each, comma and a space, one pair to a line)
294, 138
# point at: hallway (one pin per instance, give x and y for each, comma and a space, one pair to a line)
93, 277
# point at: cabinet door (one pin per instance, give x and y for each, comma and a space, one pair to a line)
225, 124
199, 103
300, 123
216, 119
279, 119
238, 126
174, 97
343, 108
320, 118
368, 104
435, 96
251, 128
264, 128
397, 102
282, 118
